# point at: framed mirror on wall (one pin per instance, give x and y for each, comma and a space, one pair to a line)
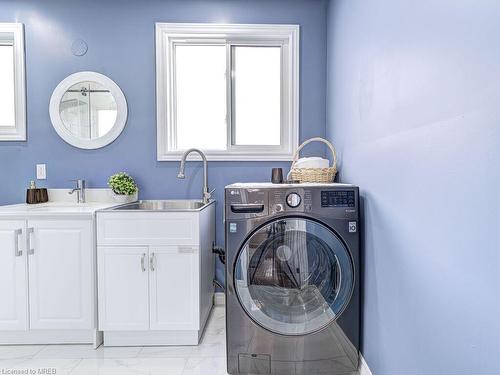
88, 110
12, 83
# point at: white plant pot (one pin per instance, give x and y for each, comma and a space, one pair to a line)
120, 198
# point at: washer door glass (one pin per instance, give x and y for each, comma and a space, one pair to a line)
294, 276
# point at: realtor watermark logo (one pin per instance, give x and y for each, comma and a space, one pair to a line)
29, 371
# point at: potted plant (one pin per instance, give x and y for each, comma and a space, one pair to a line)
123, 187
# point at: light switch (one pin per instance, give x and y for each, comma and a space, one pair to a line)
41, 172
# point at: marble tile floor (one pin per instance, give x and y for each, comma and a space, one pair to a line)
208, 358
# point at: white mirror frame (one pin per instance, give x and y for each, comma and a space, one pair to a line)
121, 106
14, 33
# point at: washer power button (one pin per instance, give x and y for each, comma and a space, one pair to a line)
293, 200
353, 227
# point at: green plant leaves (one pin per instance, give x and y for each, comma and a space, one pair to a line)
121, 183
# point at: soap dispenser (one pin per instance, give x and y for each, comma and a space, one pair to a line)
31, 193
35, 195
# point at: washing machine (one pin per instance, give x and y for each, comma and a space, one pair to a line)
292, 278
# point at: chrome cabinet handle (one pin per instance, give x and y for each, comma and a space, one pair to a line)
143, 266
152, 262
31, 249
17, 251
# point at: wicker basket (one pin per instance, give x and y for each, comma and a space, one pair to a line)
325, 175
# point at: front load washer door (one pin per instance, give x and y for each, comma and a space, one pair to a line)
294, 276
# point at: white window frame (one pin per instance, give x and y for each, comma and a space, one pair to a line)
13, 34
285, 36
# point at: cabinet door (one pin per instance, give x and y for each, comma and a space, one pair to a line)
60, 254
13, 277
123, 288
174, 288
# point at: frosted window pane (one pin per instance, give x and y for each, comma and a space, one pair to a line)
7, 106
201, 97
256, 95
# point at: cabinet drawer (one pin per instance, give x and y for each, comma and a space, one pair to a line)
169, 228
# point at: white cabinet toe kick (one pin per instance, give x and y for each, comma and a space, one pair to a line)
155, 273
152, 338
49, 337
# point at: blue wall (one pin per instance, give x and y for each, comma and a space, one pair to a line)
414, 106
120, 35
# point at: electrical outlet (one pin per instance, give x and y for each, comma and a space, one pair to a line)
41, 172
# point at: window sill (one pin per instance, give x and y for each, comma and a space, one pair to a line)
14, 134
227, 156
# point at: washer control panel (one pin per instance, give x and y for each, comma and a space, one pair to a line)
337, 201
337, 198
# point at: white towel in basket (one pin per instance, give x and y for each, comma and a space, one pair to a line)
312, 162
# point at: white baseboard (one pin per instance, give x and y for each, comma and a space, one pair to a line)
363, 367
219, 299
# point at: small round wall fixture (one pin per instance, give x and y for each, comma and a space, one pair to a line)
88, 110
79, 47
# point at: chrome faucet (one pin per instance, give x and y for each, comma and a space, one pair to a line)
206, 193
80, 190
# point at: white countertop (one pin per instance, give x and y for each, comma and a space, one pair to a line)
54, 209
61, 204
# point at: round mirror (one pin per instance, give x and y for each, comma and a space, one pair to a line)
88, 110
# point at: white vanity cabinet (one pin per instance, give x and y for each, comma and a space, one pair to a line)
48, 289
175, 276
123, 288
155, 274
13, 276
60, 283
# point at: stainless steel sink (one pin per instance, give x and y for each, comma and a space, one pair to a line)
163, 205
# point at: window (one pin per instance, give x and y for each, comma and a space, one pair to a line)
256, 84
12, 87
230, 90
200, 97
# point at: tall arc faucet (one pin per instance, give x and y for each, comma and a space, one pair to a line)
206, 193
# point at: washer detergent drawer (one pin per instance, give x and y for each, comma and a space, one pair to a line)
246, 204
